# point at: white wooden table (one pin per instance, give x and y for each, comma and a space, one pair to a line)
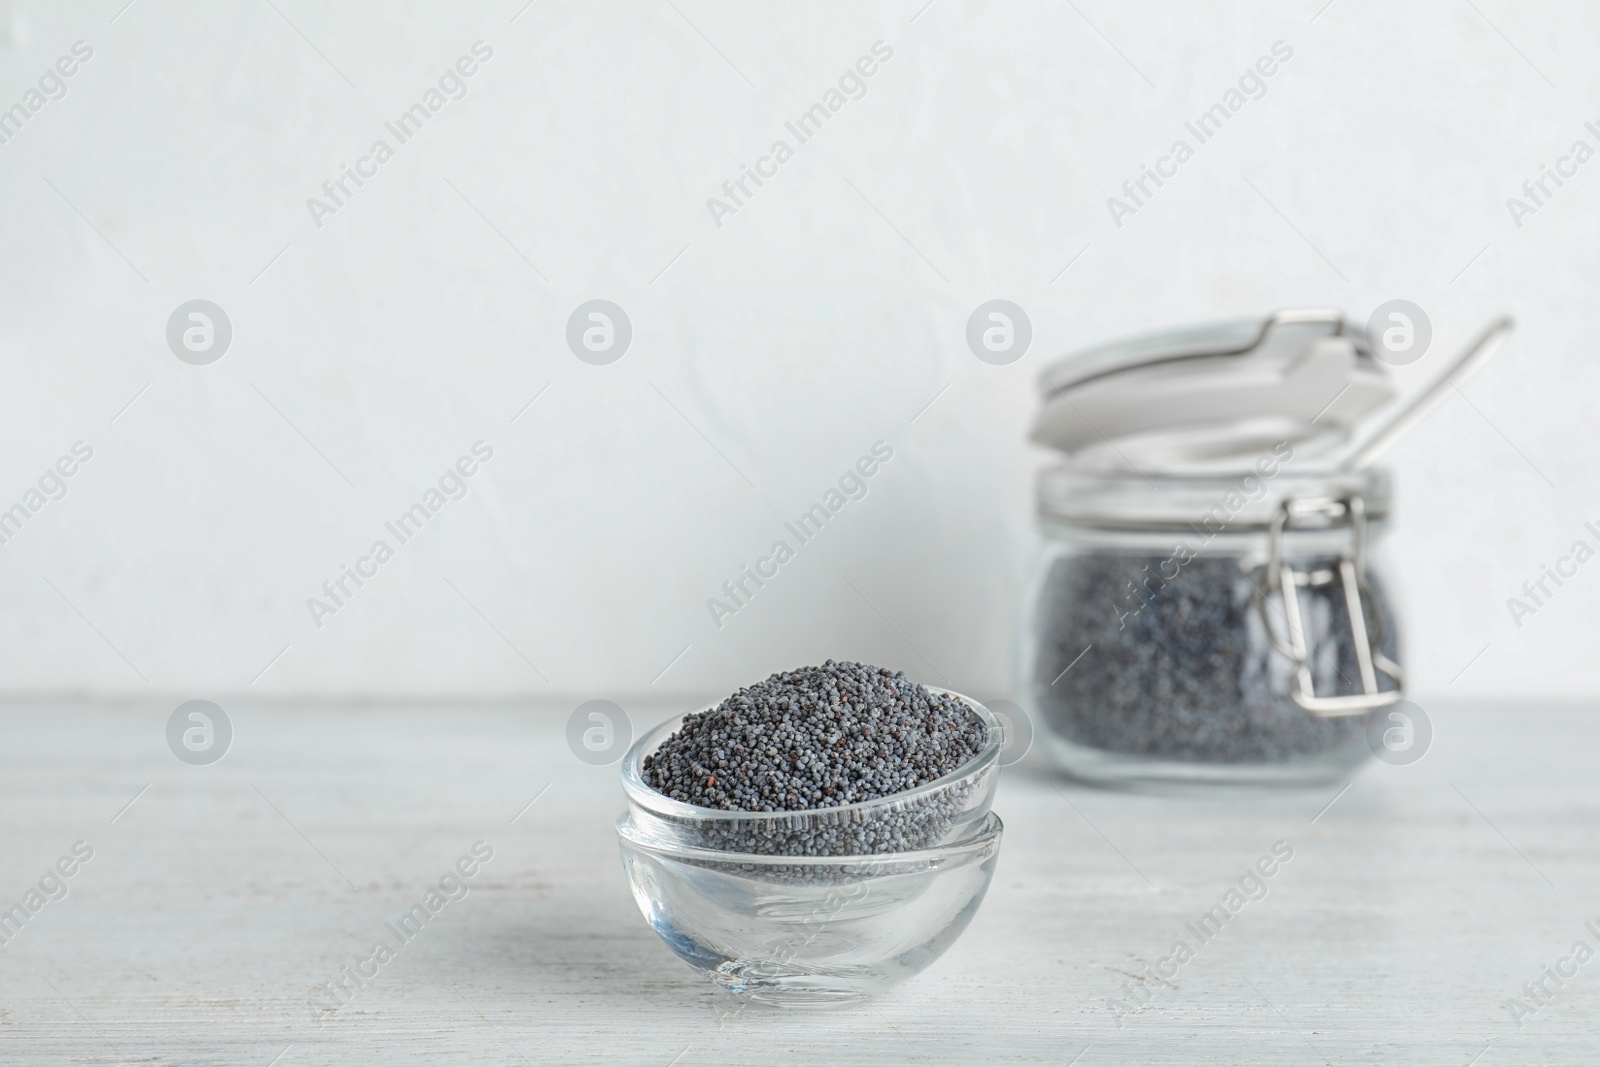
217, 904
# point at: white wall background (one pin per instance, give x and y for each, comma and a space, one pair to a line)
768, 353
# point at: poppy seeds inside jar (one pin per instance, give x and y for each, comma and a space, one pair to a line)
1190, 674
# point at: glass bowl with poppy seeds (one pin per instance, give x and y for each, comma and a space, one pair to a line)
816, 837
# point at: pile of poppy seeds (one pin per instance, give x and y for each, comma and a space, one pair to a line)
816, 738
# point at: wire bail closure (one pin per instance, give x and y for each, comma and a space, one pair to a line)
1352, 576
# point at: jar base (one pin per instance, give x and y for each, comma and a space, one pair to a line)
1146, 774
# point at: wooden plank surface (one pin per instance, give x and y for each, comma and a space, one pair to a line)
215, 906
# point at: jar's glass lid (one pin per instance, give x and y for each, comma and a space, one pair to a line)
1210, 397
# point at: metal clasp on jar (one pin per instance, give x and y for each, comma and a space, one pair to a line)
1352, 576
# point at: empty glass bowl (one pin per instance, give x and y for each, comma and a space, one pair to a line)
814, 907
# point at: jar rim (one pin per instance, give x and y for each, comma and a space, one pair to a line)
1237, 502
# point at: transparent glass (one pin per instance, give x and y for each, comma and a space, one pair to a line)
816, 907
1146, 659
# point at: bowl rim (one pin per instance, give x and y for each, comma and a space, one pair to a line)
987, 835
642, 795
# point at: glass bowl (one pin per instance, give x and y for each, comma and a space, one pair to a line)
814, 907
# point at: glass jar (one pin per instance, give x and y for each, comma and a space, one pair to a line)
1216, 627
